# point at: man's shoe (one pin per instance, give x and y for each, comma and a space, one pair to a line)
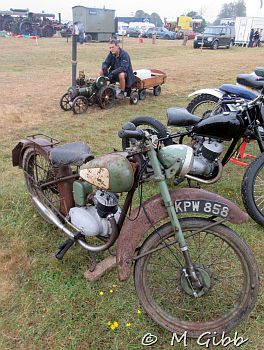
121, 95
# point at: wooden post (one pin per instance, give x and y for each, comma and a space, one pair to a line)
122, 42
154, 38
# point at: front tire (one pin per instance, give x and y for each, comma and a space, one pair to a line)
224, 265
252, 189
80, 105
66, 102
215, 45
205, 105
153, 126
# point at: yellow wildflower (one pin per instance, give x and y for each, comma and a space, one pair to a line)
115, 324
128, 324
111, 291
101, 293
139, 311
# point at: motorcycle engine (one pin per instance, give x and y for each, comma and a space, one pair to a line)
92, 220
206, 153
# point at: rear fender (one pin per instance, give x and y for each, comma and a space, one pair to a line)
132, 232
214, 92
40, 144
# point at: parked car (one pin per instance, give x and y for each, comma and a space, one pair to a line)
216, 36
161, 32
133, 32
180, 34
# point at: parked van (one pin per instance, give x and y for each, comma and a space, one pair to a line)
122, 28
141, 26
216, 36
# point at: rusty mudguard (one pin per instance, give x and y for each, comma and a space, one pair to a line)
42, 144
133, 232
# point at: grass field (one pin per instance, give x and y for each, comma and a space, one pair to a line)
45, 303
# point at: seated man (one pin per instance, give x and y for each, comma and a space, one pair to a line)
117, 66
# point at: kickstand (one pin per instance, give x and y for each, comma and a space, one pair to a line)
65, 246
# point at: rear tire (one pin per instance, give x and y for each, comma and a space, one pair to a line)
37, 171
252, 189
224, 264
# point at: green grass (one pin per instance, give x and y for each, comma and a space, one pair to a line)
45, 303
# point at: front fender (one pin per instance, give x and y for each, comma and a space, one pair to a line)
214, 92
133, 232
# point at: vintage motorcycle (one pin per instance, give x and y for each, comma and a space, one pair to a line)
208, 135
192, 274
212, 101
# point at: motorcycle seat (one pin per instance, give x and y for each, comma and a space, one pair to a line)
181, 117
238, 90
252, 80
75, 153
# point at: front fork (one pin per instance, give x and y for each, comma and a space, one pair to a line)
160, 178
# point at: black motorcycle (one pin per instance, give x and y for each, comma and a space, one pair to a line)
208, 135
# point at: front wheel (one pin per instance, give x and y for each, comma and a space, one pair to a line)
153, 126
205, 105
80, 105
215, 45
66, 102
224, 265
252, 189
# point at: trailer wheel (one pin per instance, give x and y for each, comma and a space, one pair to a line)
134, 97
157, 90
142, 94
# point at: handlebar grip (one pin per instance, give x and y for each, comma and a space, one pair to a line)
131, 134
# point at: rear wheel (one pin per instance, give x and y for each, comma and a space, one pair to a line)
253, 189
205, 105
224, 265
231, 44
106, 97
37, 172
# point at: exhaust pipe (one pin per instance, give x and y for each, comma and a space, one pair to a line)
211, 181
52, 218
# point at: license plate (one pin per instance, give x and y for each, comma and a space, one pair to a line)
202, 206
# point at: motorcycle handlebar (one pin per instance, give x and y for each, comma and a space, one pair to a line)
131, 134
